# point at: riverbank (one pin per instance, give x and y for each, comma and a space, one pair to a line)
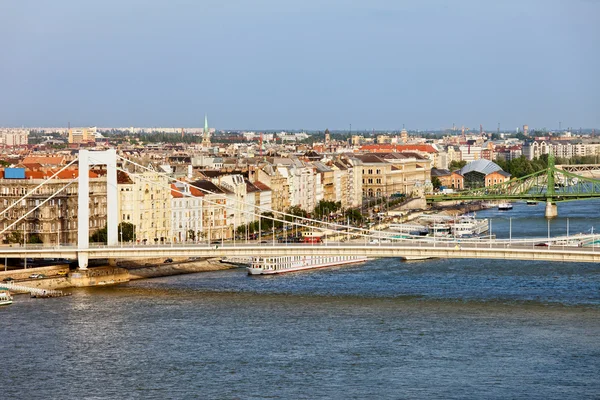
59, 277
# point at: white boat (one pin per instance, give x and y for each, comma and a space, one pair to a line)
5, 298
278, 265
505, 206
469, 226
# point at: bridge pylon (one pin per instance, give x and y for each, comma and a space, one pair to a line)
108, 158
551, 208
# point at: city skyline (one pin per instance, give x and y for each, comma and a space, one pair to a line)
301, 66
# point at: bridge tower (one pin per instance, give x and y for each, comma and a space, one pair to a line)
551, 208
108, 158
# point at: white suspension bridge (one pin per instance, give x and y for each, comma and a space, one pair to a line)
357, 241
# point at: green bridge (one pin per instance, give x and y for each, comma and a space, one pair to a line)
551, 185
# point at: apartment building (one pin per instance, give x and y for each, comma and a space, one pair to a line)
53, 221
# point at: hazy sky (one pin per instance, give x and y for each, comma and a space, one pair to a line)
311, 64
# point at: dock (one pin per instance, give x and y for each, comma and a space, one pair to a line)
33, 292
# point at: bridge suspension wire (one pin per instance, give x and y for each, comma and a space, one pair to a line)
32, 191
357, 231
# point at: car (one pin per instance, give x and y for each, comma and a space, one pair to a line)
263, 242
542, 244
168, 260
193, 258
34, 276
62, 273
8, 279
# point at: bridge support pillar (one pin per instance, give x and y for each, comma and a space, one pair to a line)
82, 259
551, 210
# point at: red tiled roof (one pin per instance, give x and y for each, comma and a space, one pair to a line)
66, 174
44, 160
261, 186
175, 192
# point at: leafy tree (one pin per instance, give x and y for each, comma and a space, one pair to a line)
324, 208
34, 239
127, 230
297, 211
455, 164
14, 237
100, 236
435, 181
354, 215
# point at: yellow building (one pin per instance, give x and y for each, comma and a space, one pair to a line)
145, 202
82, 135
386, 174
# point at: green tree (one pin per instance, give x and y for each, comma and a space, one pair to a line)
455, 164
296, 211
100, 236
354, 215
13, 237
435, 181
325, 208
126, 232
34, 239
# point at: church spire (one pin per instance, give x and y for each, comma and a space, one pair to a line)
206, 134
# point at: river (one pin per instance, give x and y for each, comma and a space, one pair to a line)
451, 329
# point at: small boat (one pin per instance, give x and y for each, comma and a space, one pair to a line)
5, 298
278, 265
531, 203
505, 206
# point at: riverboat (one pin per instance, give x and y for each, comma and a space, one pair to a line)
469, 226
505, 206
5, 298
531, 202
278, 265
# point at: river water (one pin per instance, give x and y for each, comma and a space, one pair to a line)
448, 329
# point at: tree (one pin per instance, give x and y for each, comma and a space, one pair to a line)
354, 214
435, 181
13, 237
325, 208
100, 236
191, 234
127, 232
34, 239
454, 165
296, 211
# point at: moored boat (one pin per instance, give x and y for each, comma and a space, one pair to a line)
505, 206
469, 226
278, 265
5, 298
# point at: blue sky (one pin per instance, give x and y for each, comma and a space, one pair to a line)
310, 64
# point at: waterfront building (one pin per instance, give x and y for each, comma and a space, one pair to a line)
54, 221
483, 173
276, 180
186, 213
145, 201
385, 174
448, 179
